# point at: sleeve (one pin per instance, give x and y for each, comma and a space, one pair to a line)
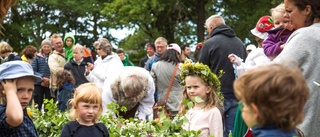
147, 64
147, 102
271, 46
53, 64
205, 54
107, 98
35, 65
154, 77
215, 123
4, 126
66, 131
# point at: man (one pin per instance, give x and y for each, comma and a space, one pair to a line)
185, 53
161, 47
221, 42
151, 49
56, 62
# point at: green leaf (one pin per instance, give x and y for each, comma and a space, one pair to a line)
198, 99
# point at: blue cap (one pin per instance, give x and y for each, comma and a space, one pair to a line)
17, 69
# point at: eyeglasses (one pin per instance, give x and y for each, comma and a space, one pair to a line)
98, 48
160, 47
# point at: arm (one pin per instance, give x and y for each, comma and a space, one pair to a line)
205, 54
53, 64
14, 111
147, 102
215, 123
35, 64
271, 46
107, 98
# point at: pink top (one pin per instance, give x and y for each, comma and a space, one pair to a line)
208, 121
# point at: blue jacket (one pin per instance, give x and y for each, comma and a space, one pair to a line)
64, 95
272, 131
40, 66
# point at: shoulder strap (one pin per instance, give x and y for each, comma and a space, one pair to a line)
171, 83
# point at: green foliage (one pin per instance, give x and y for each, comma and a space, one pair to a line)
204, 72
51, 122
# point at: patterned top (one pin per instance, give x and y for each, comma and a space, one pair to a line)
26, 129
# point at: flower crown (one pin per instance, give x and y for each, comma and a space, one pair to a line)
204, 72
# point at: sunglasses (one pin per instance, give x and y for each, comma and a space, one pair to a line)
98, 48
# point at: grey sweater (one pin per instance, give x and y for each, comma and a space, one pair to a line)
302, 50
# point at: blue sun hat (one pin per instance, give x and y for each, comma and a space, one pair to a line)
17, 69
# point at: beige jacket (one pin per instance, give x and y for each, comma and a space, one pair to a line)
56, 62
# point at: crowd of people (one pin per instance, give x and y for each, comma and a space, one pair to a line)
273, 92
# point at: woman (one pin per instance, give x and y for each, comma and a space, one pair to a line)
162, 72
41, 68
28, 54
107, 66
302, 50
77, 65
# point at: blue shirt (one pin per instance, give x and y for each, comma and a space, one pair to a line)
26, 129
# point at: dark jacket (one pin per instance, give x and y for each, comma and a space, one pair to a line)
77, 71
214, 53
40, 66
143, 61
64, 95
276, 38
152, 60
272, 131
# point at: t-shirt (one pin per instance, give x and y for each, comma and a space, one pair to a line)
75, 129
209, 121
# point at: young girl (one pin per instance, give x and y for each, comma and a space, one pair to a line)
86, 108
277, 37
198, 80
65, 82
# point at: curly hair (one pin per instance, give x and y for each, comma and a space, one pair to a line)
64, 76
279, 92
29, 51
104, 45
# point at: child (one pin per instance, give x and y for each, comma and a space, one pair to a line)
17, 84
65, 82
273, 101
86, 108
198, 80
277, 37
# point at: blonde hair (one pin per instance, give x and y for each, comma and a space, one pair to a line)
279, 8
55, 36
78, 47
215, 20
5, 47
161, 39
88, 93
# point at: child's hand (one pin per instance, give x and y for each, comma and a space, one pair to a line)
234, 59
9, 85
282, 46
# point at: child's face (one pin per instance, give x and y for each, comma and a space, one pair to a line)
87, 112
279, 20
196, 87
69, 42
25, 87
248, 115
77, 55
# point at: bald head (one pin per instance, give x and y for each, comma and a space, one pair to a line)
213, 21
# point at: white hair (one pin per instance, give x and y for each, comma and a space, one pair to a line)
215, 20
